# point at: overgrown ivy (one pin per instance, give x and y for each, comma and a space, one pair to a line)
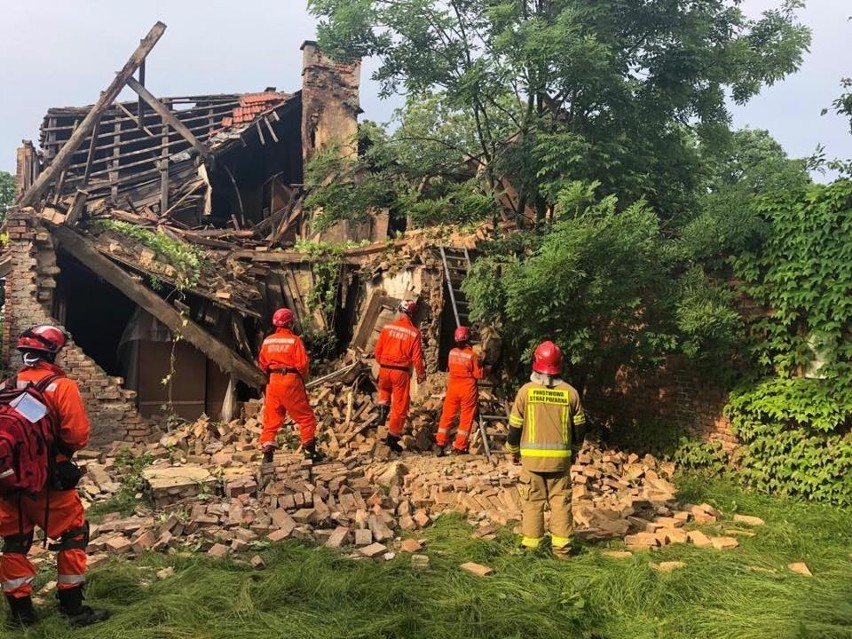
187, 260
796, 438
795, 422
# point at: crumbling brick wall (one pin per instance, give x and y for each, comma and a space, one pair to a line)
432, 295
675, 394
29, 297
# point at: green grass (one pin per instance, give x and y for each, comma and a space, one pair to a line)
308, 592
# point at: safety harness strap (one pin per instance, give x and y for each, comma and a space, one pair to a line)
74, 539
18, 544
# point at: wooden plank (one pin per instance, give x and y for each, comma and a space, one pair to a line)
368, 321
182, 199
140, 106
169, 117
90, 156
116, 163
164, 170
77, 207
63, 157
217, 351
127, 112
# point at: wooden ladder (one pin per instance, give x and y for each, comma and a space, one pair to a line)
457, 265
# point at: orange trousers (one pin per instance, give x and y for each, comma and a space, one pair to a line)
395, 389
461, 401
65, 515
286, 394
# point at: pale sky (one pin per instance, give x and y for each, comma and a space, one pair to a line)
64, 52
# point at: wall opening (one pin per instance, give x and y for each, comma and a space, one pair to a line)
92, 311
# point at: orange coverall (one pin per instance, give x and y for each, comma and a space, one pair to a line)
462, 396
65, 516
398, 348
284, 359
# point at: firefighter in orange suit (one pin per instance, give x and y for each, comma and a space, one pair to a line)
546, 426
57, 508
284, 359
399, 347
462, 393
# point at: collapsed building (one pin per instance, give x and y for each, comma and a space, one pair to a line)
163, 232
160, 233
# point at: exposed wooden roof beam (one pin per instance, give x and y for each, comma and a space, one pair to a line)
63, 157
169, 117
217, 351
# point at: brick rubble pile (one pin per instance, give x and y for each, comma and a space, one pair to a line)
206, 489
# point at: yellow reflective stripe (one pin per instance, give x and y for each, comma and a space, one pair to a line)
530, 542
565, 413
531, 424
559, 542
580, 418
512, 449
535, 452
514, 420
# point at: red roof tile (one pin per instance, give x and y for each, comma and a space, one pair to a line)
252, 105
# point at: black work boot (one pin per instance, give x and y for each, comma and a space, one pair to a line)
384, 411
392, 442
268, 453
311, 452
21, 612
78, 615
440, 451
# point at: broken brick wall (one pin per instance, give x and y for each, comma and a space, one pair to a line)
423, 282
29, 298
675, 395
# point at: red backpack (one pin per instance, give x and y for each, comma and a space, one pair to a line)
27, 432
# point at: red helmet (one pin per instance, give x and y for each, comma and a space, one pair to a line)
547, 359
407, 307
462, 334
44, 338
283, 318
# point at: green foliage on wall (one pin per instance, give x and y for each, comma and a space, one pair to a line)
796, 438
187, 260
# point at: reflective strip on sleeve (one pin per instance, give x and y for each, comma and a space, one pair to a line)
580, 418
512, 449
13, 584
566, 437
71, 579
514, 420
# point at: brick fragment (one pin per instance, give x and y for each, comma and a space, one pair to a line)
477, 569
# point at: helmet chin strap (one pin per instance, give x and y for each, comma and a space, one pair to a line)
31, 359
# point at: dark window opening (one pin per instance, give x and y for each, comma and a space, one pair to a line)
94, 312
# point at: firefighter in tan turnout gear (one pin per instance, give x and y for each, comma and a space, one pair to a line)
546, 425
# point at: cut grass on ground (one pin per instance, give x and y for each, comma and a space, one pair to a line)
307, 592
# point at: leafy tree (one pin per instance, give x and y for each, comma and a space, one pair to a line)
7, 193
559, 90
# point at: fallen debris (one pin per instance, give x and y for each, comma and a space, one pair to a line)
801, 568
208, 490
477, 569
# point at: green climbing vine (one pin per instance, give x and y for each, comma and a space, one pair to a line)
796, 422
188, 263
187, 260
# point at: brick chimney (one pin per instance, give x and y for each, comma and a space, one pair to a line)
330, 102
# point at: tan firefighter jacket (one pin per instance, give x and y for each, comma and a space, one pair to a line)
544, 425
